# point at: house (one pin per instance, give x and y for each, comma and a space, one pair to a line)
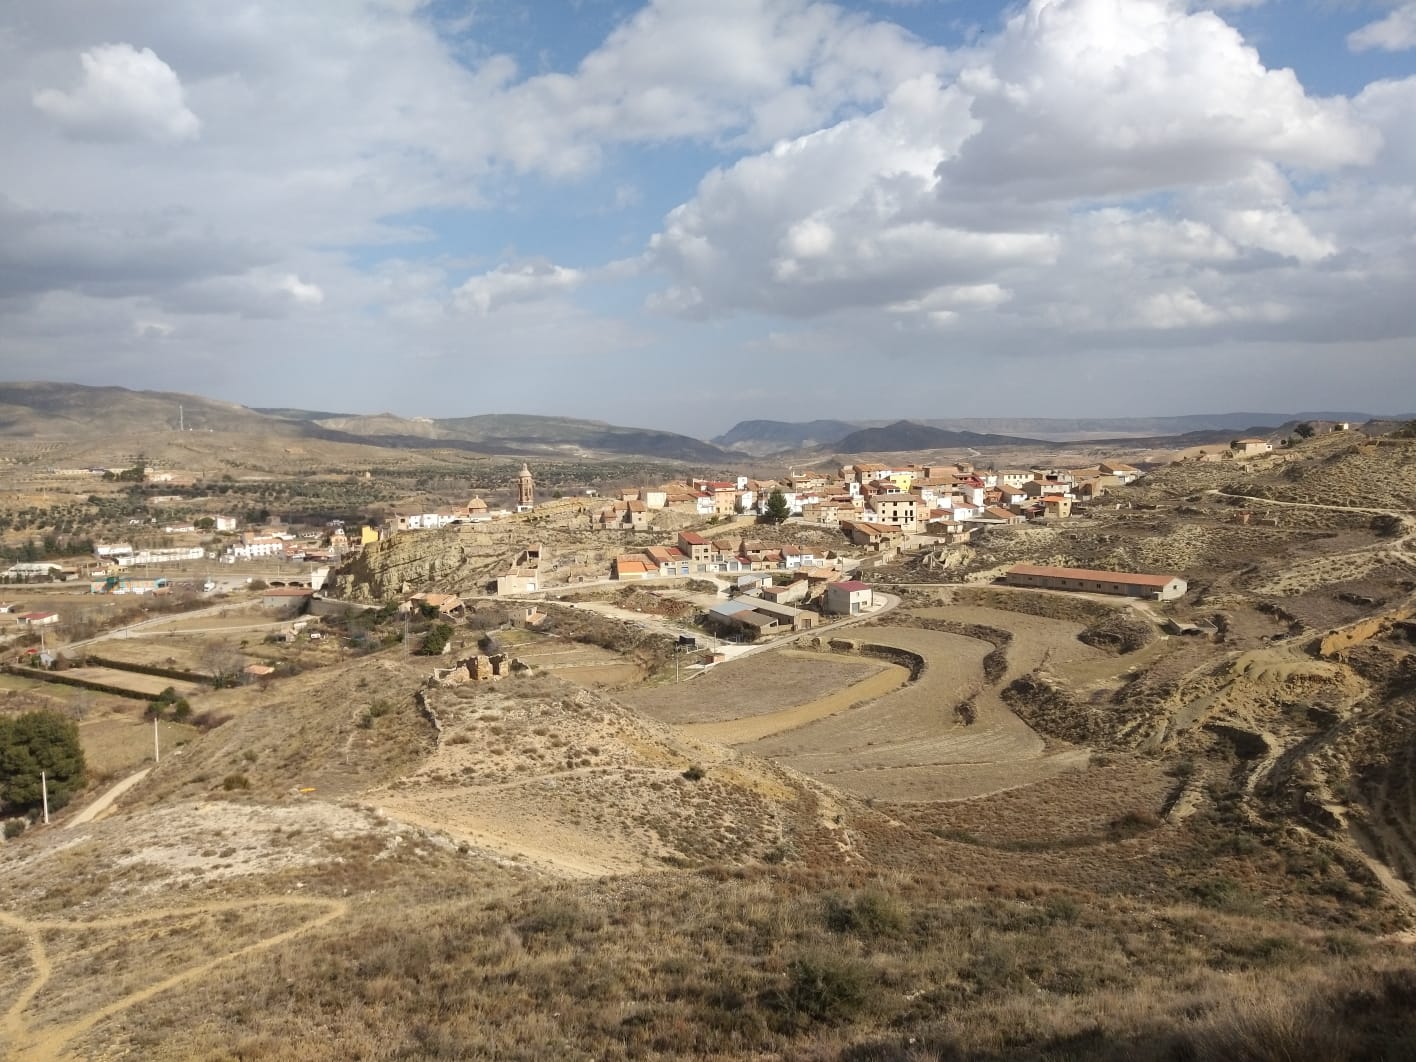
1056, 505
223, 522
34, 570
296, 597
1249, 447
848, 598
825, 512
785, 595
1124, 473
785, 615
625, 516
37, 619
872, 536
695, 546
632, 566
1126, 584
797, 557
444, 604
517, 581
902, 510
995, 514
747, 583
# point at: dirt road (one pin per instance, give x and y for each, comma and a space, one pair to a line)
24, 1040
103, 803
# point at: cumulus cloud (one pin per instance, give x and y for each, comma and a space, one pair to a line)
1017, 179
125, 93
527, 282
1395, 33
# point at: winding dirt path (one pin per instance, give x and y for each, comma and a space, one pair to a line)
24, 1042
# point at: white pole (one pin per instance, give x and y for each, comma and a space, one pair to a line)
44, 791
156, 752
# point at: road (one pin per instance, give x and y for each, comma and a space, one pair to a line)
732, 650
103, 803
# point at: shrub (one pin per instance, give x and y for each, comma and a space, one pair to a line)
436, 640
235, 781
872, 913
15, 827
695, 773
822, 988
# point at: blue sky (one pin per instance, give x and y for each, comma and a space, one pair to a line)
679, 215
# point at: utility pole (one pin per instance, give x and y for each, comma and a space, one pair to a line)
44, 793
156, 751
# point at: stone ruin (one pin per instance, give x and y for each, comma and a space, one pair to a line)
476, 668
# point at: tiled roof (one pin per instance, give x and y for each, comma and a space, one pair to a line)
1091, 575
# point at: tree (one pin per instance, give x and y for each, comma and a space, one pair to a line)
1305, 430
777, 507
38, 742
435, 641
206, 523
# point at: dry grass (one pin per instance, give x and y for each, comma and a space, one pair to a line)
780, 964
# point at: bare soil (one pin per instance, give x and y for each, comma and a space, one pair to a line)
755, 685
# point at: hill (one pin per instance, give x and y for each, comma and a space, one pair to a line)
905, 435
760, 437
78, 413
49, 410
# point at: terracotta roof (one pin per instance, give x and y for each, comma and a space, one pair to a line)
850, 586
1091, 575
692, 538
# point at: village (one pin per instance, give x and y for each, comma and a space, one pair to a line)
755, 558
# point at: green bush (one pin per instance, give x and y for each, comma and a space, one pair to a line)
235, 781
695, 773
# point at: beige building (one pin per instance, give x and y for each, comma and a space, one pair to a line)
525, 488
902, 510
1088, 580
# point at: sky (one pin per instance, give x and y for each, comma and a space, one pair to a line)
684, 213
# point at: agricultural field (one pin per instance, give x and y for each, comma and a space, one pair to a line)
116, 743
577, 662
754, 686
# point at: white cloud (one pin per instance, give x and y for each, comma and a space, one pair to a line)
125, 93
1395, 33
1034, 178
528, 282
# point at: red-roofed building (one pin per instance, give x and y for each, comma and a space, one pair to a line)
848, 598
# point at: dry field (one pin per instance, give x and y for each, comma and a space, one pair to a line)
151, 685
577, 662
116, 744
911, 744
756, 685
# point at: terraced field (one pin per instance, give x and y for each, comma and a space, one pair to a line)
914, 744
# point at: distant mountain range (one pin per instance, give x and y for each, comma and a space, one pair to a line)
75, 412
763, 437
